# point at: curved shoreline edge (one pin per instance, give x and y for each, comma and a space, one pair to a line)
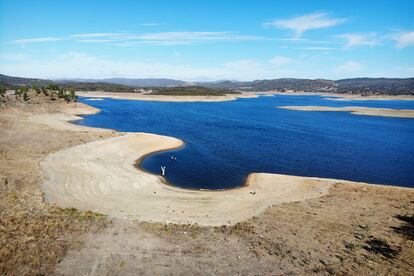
99, 95
357, 110
100, 176
166, 98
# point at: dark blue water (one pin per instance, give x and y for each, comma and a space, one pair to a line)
226, 141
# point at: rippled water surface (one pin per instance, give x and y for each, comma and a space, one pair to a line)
226, 141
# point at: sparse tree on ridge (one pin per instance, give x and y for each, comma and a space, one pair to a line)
36, 89
2, 90
25, 96
72, 94
44, 90
61, 93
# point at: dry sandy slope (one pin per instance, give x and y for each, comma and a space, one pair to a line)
370, 111
100, 176
61, 120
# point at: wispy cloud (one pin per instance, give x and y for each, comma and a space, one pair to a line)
13, 56
316, 48
161, 38
301, 24
305, 40
150, 24
348, 68
78, 64
279, 61
361, 39
37, 40
94, 35
403, 39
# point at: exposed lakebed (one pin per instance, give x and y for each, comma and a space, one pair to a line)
225, 141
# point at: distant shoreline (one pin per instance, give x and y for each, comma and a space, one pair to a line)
232, 97
164, 98
357, 110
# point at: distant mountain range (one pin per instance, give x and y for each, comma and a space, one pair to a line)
139, 82
364, 86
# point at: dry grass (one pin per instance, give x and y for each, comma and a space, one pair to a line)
34, 236
33, 239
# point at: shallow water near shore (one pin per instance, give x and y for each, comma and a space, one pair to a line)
225, 141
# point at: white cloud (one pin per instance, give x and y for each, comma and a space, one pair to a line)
13, 56
189, 37
368, 39
94, 35
301, 24
150, 24
316, 48
161, 38
279, 61
95, 40
348, 68
37, 40
404, 39
81, 65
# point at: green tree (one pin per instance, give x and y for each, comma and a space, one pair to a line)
2, 90
61, 94
25, 97
66, 97
44, 90
72, 94
23, 89
36, 89
52, 87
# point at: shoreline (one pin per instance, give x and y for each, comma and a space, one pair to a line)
356, 110
94, 95
144, 196
99, 95
350, 97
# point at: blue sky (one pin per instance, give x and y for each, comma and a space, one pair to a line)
207, 40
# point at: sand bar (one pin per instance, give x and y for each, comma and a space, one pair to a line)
370, 111
165, 98
349, 97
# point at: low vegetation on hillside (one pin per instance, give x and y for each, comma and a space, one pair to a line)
35, 95
363, 86
191, 91
16, 83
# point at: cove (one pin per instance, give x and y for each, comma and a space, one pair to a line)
226, 141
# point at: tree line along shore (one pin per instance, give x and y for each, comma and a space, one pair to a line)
360, 86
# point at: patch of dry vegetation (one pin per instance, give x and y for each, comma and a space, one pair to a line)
34, 236
353, 230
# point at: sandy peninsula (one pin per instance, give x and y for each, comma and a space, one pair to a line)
164, 98
370, 111
358, 97
350, 97
100, 176
351, 228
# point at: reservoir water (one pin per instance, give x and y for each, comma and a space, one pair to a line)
225, 141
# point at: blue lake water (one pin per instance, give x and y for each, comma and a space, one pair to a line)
225, 141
